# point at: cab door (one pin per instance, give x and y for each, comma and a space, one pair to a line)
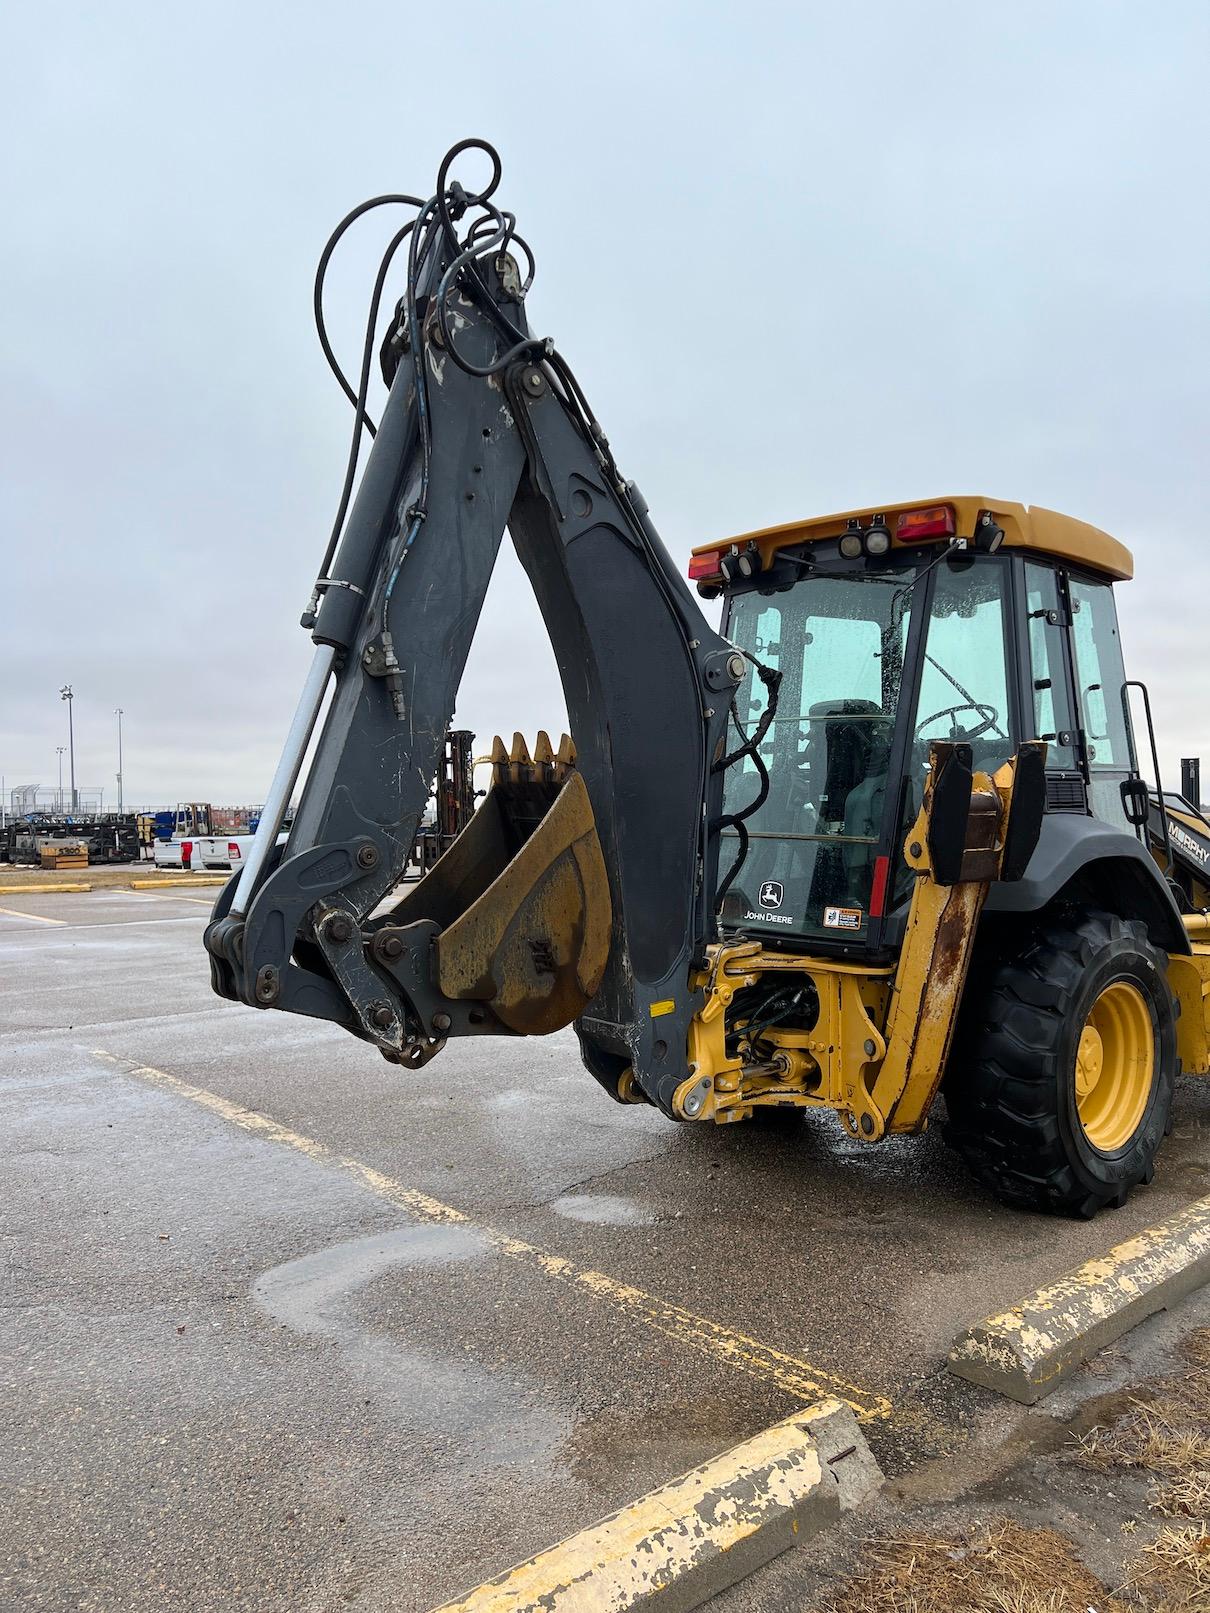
1104, 713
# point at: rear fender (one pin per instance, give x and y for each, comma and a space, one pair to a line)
1082, 859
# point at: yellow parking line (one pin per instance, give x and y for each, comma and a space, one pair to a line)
725, 1345
39, 918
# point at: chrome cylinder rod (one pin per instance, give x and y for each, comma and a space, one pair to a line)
286, 776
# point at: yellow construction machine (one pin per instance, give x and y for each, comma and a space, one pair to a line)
881, 835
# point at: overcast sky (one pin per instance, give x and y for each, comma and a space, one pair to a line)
802, 257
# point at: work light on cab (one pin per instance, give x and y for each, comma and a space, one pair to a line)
989, 534
850, 543
748, 561
877, 538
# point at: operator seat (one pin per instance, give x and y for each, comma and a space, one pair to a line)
847, 748
855, 759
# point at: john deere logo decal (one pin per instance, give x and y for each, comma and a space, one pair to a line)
770, 894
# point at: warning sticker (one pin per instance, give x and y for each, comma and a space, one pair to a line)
842, 918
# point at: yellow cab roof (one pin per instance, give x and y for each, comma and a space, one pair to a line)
1042, 531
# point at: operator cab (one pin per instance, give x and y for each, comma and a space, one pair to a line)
968, 621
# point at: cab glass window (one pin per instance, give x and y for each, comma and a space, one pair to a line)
963, 695
839, 642
1100, 675
1101, 694
964, 681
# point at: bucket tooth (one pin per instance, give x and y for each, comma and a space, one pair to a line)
521, 765
514, 765
499, 761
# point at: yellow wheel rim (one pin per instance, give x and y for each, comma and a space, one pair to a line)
1115, 1066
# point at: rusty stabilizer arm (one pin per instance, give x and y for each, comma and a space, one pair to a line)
584, 889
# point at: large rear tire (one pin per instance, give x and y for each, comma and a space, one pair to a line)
1059, 1087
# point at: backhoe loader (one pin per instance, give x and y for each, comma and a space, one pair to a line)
881, 835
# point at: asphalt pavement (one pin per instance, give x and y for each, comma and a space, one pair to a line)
285, 1327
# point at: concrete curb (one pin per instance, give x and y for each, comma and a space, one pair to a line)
1028, 1351
170, 884
41, 890
113, 885
690, 1539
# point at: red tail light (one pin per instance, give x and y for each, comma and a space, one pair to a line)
232, 849
705, 565
913, 526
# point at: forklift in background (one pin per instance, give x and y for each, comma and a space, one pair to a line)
453, 798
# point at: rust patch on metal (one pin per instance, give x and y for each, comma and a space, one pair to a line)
950, 946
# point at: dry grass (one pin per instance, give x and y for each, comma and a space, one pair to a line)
1173, 1573
1006, 1568
101, 876
1165, 1432
33, 878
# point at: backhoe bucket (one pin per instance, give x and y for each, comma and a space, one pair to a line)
521, 896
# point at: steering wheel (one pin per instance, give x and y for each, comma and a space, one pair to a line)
989, 714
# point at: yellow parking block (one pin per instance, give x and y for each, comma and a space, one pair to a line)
687, 1541
41, 890
169, 884
1027, 1351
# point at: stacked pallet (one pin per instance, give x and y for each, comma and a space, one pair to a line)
64, 856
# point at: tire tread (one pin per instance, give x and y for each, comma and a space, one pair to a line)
1004, 1082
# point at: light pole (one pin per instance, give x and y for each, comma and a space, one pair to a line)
60, 749
118, 714
65, 693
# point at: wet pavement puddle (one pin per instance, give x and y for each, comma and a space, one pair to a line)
454, 1401
602, 1210
798, 1378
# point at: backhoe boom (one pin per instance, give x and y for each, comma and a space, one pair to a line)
484, 428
